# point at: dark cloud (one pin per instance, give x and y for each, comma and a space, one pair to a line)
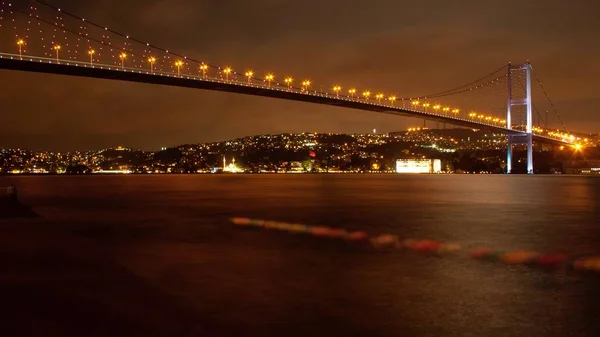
403, 47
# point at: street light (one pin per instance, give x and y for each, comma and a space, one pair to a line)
123, 56
152, 60
436, 108
426, 105
249, 74
288, 81
392, 99
227, 71
91, 52
203, 68
379, 97
352, 92
269, 78
57, 48
178, 64
20, 43
445, 110
455, 112
415, 103
336, 89
366, 94
305, 85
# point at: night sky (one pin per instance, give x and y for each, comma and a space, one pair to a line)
407, 47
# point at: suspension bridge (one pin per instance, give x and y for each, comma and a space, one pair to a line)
40, 37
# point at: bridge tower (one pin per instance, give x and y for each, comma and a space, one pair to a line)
526, 138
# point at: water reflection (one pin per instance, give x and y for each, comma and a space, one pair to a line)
172, 233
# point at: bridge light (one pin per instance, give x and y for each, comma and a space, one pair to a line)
392, 99
57, 48
152, 60
336, 89
578, 147
249, 74
415, 103
366, 94
305, 85
203, 69
91, 52
20, 43
227, 71
288, 81
178, 64
379, 97
123, 56
445, 110
269, 78
352, 91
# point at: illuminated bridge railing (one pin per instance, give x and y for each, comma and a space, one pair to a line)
274, 86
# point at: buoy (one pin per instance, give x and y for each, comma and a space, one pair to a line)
385, 241
449, 248
241, 221
337, 233
356, 236
320, 231
519, 257
587, 263
551, 260
297, 228
390, 241
480, 253
427, 246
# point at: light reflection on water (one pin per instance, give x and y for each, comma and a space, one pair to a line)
172, 233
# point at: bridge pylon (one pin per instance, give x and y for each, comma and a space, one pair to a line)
527, 137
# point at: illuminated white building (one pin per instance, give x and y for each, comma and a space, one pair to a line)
418, 166
231, 168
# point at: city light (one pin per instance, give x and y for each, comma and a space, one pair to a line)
379, 97
352, 91
392, 99
366, 94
